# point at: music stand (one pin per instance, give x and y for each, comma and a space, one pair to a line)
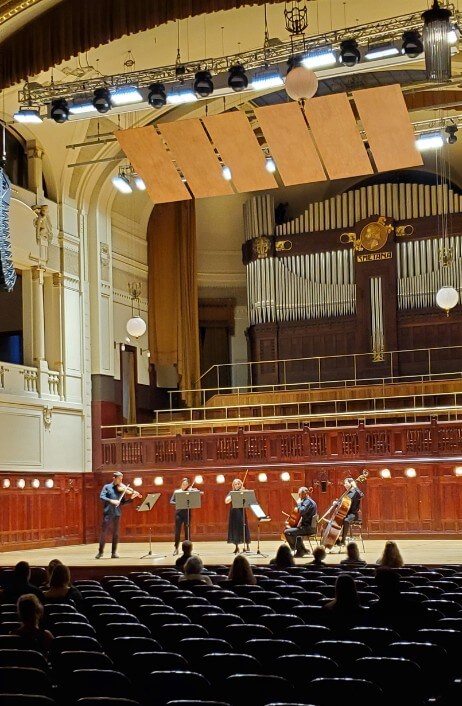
261, 516
147, 504
188, 500
242, 499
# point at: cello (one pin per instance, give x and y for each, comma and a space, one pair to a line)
293, 518
339, 510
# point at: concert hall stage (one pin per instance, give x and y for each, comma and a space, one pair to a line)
135, 556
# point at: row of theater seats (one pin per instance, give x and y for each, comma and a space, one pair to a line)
143, 640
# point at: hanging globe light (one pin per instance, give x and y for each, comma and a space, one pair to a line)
447, 298
301, 83
136, 326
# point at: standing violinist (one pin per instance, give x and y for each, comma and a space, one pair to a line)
355, 495
306, 525
114, 495
238, 529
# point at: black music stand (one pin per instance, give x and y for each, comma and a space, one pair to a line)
261, 516
147, 505
242, 499
188, 500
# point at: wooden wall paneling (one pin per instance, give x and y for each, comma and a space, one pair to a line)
196, 158
290, 143
337, 136
148, 155
238, 147
388, 127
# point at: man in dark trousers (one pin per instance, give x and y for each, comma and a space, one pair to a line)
355, 495
307, 511
114, 495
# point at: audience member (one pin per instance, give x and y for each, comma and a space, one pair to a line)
391, 556
193, 572
344, 611
30, 612
353, 557
186, 547
283, 558
61, 589
319, 554
394, 610
49, 569
20, 584
241, 572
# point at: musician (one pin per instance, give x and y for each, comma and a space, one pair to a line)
238, 529
355, 495
114, 495
307, 510
181, 516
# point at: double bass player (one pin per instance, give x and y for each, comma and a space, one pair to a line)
355, 495
307, 510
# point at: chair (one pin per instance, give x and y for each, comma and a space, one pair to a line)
375, 637
267, 649
73, 628
74, 642
196, 702
217, 666
239, 633
122, 648
448, 608
388, 672
194, 648
109, 632
306, 667
306, 635
106, 701
252, 613
431, 658
97, 682
170, 635
262, 687
141, 663
311, 536
25, 680
325, 691
215, 622
283, 604
65, 662
170, 685
23, 658
278, 622
355, 531
155, 621
343, 652
26, 700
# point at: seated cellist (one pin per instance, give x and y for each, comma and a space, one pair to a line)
307, 509
355, 495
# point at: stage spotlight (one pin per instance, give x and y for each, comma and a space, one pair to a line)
21, 483
410, 473
157, 96
349, 52
137, 482
412, 44
220, 478
35, 483
450, 131
198, 480
158, 480
285, 476
262, 477
59, 110
203, 84
102, 100
237, 79
26, 114
385, 473
49, 483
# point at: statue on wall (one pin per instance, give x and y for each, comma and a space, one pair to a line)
43, 227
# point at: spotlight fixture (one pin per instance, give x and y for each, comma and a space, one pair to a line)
381, 50
139, 182
226, 173
266, 78
237, 79
319, 58
82, 105
349, 52
59, 111
182, 94
102, 100
122, 183
203, 84
124, 180
27, 114
412, 44
157, 96
451, 130
430, 141
270, 165
125, 95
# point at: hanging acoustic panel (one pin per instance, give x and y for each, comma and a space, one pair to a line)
191, 148
337, 136
290, 143
238, 147
388, 127
148, 155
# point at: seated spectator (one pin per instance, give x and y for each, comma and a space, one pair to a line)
193, 572
395, 610
61, 589
186, 548
20, 584
319, 554
241, 572
30, 612
283, 558
391, 556
344, 611
353, 556
51, 565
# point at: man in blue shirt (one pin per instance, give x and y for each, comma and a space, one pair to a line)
306, 524
113, 495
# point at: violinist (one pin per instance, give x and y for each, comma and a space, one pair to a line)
355, 495
114, 495
307, 511
238, 529
182, 517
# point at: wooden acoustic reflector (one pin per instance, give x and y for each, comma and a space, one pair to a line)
290, 144
235, 140
388, 128
150, 159
196, 158
337, 136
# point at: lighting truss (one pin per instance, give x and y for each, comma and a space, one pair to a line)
390, 29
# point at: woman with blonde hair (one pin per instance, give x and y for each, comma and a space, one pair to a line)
30, 613
238, 529
391, 556
61, 589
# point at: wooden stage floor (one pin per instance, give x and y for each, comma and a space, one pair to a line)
414, 551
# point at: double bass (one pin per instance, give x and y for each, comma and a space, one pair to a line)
293, 518
338, 511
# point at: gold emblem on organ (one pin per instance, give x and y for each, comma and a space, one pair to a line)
374, 235
261, 246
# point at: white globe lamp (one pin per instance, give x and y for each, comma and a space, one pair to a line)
447, 298
136, 326
301, 83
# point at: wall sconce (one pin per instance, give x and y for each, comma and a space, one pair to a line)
49, 483
262, 477
21, 483
198, 480
410, 473
220, 478
6, 482
146, 352
385, 473
457, 471
158, 480
137, 482
35, 483
285, 476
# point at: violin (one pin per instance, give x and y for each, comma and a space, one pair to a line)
293, 518
127, 490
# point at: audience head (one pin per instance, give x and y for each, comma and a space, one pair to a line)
353, 551
284, 556
29, 608
51, 566
187, 547
241, 571
22, 571
391, 556
387, 581
61, 576
345, 591
319, 553
194, 565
